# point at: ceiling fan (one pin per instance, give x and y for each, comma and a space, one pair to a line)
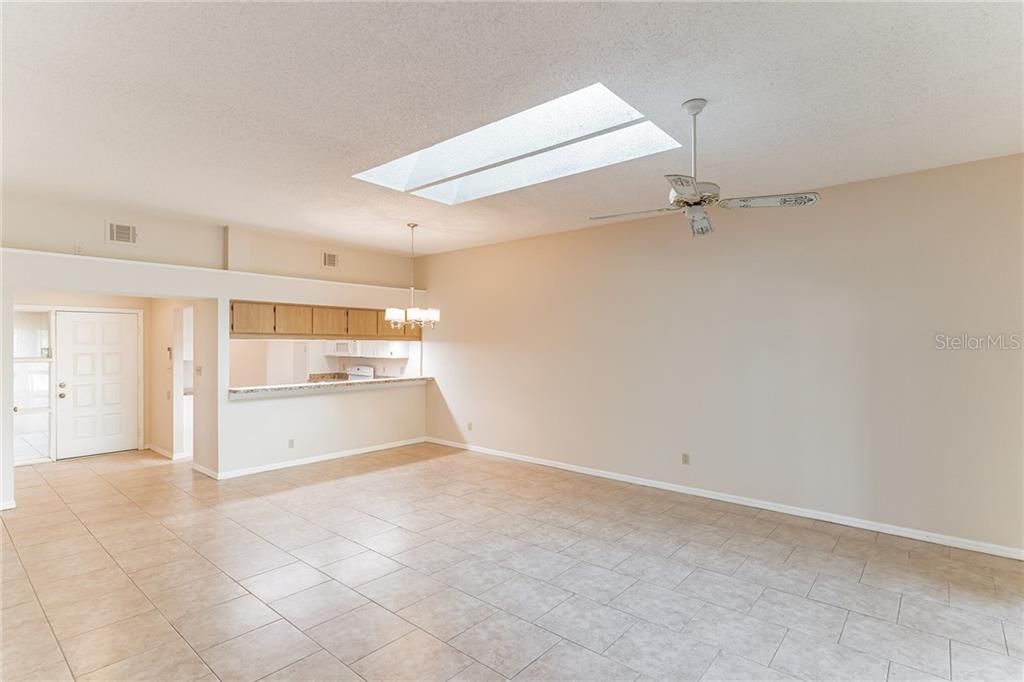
694, 198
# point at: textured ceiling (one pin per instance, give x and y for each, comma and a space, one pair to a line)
260, 114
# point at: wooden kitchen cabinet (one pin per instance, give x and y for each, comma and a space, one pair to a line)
330, 321
293, 319
363, 322
252, 318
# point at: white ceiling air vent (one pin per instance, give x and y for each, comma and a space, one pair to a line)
121, 233
328, 260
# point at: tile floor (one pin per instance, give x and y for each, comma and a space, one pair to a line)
426, 562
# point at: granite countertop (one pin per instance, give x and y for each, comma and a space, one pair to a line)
286, 390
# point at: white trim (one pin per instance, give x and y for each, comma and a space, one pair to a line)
223, 475
913, 533
160, 451
29, 462
7, 504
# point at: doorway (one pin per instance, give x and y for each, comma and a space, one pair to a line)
97, 374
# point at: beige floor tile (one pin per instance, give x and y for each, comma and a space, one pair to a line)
796, 581
163, 577
360, 632
38, 536
23, 527
658, 605
902, 673
81, 616
661, 653
720, 589
318, 604
901, 577
211, 626
865, 599
50, 551
593, 582
731, 668
525, 597
361, 568
478, 672
69, 566
179, 600
281, 582
599, 552
51, 672
539, 563
667, 573
567, 661
827, 563
394, 541
709, 557
474, 576
770, 549
1004, 604
16, 592
115, 642
431, 557
259, 652
26, 641
252, 560
172, 661
736, 633
972, 663
160, 553
446, 613
1014, 639
804, 615
586, 622
415, 656
328, 551
810, 658
805, 537
969, 627
400, 589
319, 667
505, 643
897, 643
86, 586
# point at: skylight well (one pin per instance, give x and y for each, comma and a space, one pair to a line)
581, 131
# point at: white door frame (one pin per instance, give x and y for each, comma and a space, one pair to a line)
52, 421
139, 314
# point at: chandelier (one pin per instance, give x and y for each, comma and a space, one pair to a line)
412, 316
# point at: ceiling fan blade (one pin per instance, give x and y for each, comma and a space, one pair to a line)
700, 224
620, 215
685, 186
772, 201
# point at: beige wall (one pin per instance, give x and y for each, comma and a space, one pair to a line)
63, 224
792, 352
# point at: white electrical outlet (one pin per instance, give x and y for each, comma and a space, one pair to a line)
469, 426
684, 458
291, 442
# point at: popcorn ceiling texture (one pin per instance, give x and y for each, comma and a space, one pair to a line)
259, 115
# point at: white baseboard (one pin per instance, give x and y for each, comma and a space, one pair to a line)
30, 462
7, 504
160, 451
913, 533
235, 473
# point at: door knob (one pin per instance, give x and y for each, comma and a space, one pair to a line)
61, 385
15, 408
60, 395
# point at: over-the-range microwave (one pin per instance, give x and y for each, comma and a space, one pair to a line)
351, 347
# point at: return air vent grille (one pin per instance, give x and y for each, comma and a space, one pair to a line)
120, 233
329, 260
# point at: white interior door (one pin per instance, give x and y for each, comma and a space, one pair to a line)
97, 367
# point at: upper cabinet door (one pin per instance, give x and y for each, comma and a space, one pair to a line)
252, 318
362, 323
294, 319
330, 321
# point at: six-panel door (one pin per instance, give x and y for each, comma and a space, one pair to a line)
97, 373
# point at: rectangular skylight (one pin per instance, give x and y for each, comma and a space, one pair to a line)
624, 144
564, 119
